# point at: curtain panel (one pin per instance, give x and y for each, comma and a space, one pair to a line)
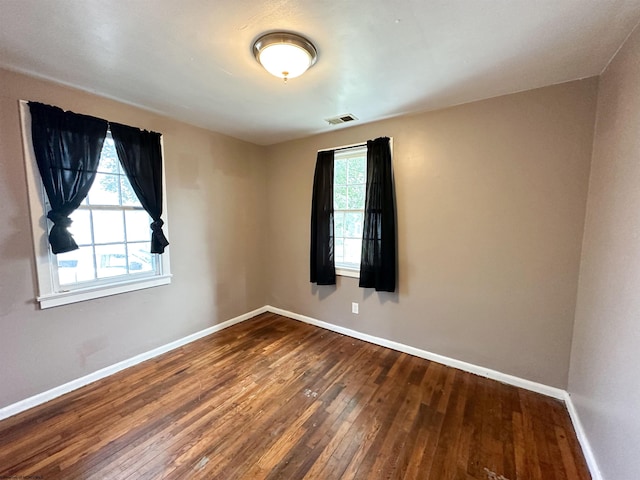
378, 264
322, 259
140, 155
67, 148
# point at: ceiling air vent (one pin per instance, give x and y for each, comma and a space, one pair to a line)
347, 117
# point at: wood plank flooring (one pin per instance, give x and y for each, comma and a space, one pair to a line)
273, 398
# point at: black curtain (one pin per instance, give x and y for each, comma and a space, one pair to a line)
322, 259
140, 155
67, 147
378, 264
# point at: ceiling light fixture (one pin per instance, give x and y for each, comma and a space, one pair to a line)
285, 55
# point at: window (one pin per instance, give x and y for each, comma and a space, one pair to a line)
110, 227
349, 188
349, 237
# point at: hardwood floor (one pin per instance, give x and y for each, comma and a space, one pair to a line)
273, 398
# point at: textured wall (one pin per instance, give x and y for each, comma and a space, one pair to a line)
216, 210
491, 200
604, 380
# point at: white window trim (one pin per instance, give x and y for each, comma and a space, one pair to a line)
348, 272
49, 295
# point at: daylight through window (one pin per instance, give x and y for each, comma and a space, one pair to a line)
110, 227
350, 177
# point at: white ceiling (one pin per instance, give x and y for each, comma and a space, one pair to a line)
192, 59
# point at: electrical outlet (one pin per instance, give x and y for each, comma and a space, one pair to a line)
354, 308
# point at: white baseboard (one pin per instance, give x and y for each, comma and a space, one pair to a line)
582, 438
558, 393
451, 362
467, 367
55, 392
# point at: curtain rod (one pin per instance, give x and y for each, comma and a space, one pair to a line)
26, 104
344, 147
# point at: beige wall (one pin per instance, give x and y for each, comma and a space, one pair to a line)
216, 209
604, 380
491, 200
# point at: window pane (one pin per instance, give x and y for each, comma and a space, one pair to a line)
338, 224
340, 197
140, 260
111, 260
104, 190
352, 250
81, 227
357, 171
76, 266
340, 172
108, 226
128, 195
339, 253
137, 223
355, 197
353, 224
109, 162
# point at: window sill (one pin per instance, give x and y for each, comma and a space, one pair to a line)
80, 295
347, 272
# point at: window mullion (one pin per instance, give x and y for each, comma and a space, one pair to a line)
93, 246
119, 183
110, 207
126, 242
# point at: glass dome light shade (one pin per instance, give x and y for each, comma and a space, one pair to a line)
285, 60
284, 55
